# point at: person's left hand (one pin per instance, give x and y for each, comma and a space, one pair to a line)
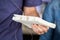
39, 29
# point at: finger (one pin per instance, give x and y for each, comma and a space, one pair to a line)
34, 29
45, 26
45, 29
40, 30
37, 29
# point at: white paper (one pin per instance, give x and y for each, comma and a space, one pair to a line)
29, 20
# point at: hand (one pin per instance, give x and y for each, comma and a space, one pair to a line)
39, 29
30, 11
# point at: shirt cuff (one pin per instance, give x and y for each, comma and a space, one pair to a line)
39, 9
47, 1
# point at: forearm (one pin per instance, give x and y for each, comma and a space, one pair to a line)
30, 7
30, 11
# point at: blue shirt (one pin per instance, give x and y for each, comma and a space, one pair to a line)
10, 30
52, 14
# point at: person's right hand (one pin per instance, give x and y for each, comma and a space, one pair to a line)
39, 29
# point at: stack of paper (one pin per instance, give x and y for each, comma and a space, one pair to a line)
29, 20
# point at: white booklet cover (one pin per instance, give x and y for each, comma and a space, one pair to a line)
29, 20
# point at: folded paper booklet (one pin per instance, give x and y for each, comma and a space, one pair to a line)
29, 20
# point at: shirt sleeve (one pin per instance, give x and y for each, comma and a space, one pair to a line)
48, 15
32, 2
46, 1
